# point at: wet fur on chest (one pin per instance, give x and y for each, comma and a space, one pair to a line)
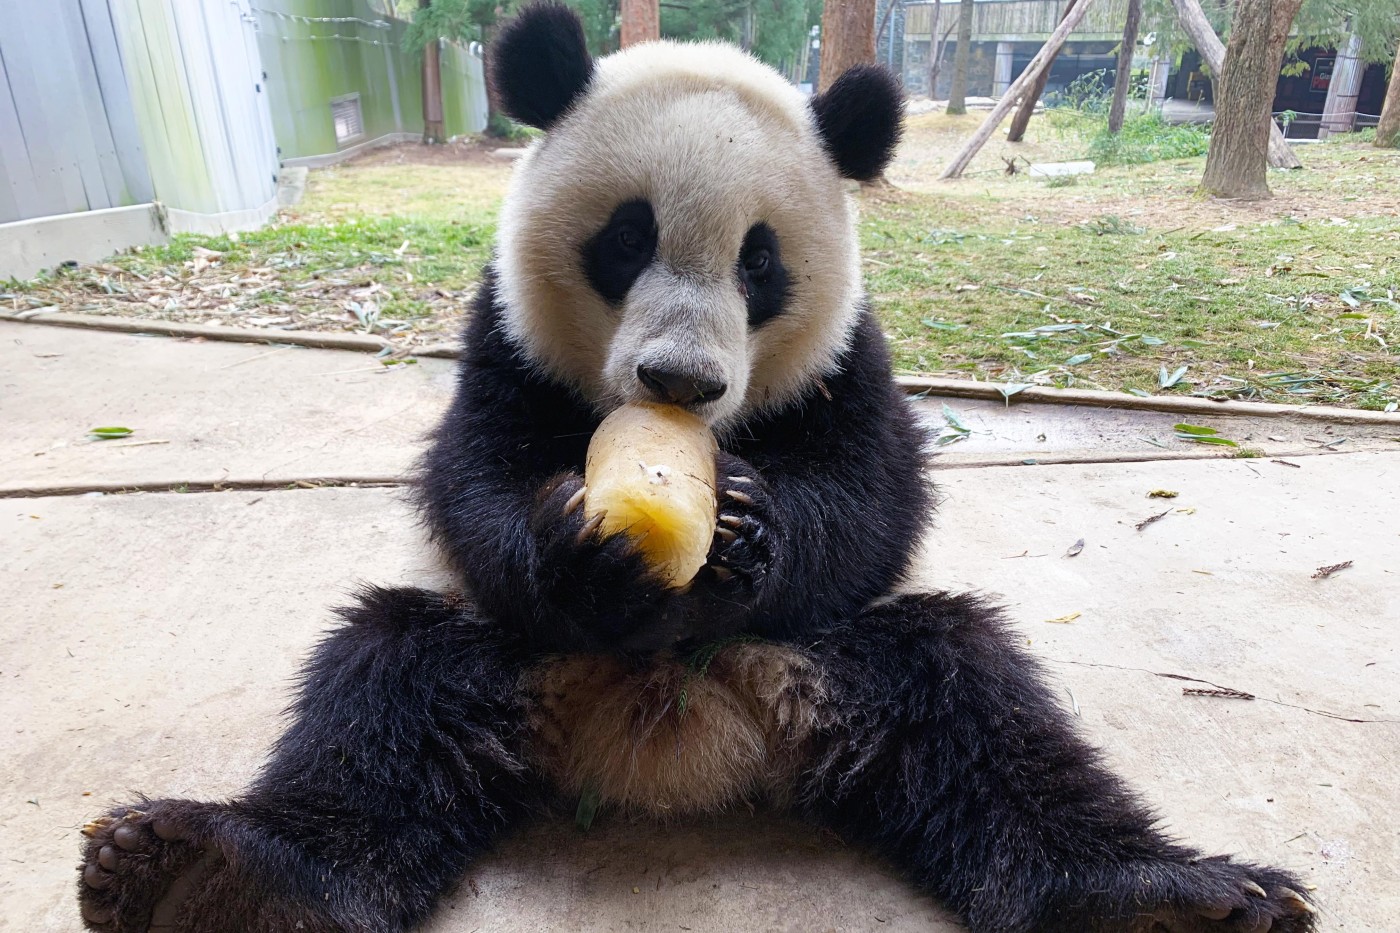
670, 736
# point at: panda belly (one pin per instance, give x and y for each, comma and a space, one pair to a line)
669, 737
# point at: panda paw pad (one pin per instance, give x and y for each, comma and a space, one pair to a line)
137, 865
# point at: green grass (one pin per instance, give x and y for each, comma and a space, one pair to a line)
1253, 312
1114, 281
1146, 138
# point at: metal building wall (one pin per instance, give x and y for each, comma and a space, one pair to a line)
69, 139
315, 51
197, 89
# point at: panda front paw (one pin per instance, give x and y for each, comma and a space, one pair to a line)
746, 530
603, 591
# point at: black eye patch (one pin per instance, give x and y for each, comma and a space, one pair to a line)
762, 276
619, 252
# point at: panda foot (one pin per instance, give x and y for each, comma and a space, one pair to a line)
138, 868
1212, 895
1229, 897
171, 866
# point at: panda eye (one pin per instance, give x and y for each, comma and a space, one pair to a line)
757, 264
618, 253
629, 239
763, 279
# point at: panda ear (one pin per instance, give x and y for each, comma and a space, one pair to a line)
860, 118
540, 64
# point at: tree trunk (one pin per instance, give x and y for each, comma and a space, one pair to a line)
885, 21
1237, 165
957, 94
1020, 86
1203, 37
1388, 130
641, 21
433, 131
1032, 95
848, 38
935, 67
1123, 78
935, 52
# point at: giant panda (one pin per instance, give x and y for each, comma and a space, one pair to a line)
680, 234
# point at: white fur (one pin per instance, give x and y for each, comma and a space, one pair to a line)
716, 142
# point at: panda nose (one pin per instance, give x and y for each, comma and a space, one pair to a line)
679, 388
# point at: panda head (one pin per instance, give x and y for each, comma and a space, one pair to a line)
681, 232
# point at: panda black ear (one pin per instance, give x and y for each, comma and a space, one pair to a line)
860, 118
540, 64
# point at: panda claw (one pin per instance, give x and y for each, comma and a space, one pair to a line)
740, 479
1253, 888
1295, 900
591, 526
93, 827
575, 501
733, 521
722, 574
726, 535
738, 496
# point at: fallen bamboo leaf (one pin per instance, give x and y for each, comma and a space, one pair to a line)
1065, 619
1163, 494
1227, 693
106, 434
1199, 434
1325, 572
1152, 518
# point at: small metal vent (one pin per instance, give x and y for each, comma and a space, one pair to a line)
349, 124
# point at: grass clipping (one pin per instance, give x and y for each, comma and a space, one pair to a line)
651, 474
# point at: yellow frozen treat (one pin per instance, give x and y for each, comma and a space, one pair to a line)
651, 469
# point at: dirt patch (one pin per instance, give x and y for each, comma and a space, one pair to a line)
470, 151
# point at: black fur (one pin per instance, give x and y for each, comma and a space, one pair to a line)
401, 766
861, 117
765, 278
540, 64
617, 254
841, 471
951, 757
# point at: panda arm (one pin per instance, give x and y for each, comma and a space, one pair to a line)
838, 492
497, 486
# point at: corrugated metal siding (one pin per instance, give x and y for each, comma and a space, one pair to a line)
108, 103
463, 91
196, 84
310, 63
68, 133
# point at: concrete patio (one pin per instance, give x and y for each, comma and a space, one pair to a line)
150, 637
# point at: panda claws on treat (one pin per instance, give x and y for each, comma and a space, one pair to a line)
586, 571
744, 529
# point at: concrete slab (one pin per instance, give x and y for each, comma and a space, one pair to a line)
124, 670
1001, 434
203, 411
208, 412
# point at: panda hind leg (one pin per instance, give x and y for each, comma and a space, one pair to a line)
400, 767
947, 754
